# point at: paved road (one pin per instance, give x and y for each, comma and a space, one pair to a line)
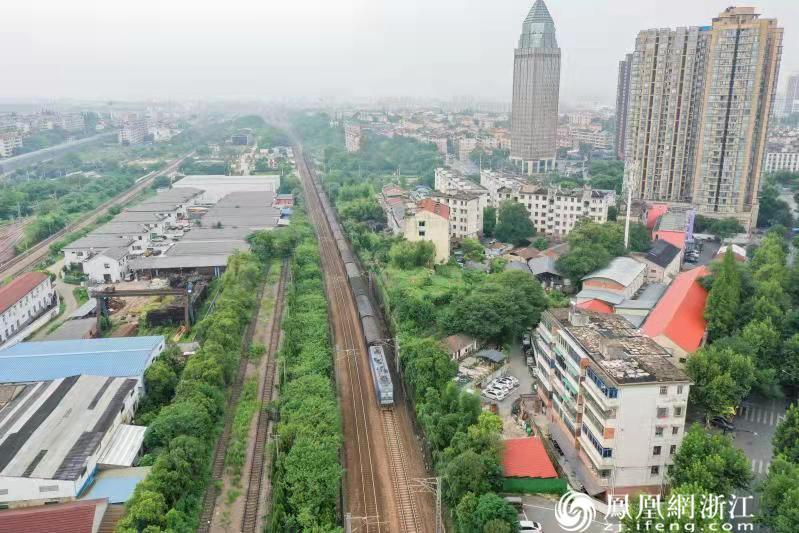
66, 295
542, 509
755, 424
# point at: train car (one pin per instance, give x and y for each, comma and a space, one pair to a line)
371, 330
352, 270
364, 306
381, 376
358, 286
346, 255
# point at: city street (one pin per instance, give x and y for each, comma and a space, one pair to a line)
542, 509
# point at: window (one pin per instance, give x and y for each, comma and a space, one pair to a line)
106, 265
679, 389
48, 488
662, 412
678, 411
675, 430
672, 449
655, 470
658, 431
664, 391
656, 450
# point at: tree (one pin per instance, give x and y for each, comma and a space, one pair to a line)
473, 250
773, 210
779, 503
582, 260
540, 243
723, 302
262, 244
407, 255
177, 419
501, 307
722, 378
513, 223
425, 364
489, 221
160, 381
786, 438
467, 472
613, 213
710, 461
161, 182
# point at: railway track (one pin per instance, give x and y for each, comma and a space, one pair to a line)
220, 450
39, 251
365, 507
411, 521
255, 488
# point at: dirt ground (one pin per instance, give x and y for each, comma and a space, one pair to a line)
230, 506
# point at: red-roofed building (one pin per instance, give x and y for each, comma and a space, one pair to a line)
26, 303
526, 457
429, 222
653, 213
73, 517
677, 322
596, 305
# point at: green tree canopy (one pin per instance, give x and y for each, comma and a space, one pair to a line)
513, 223
710, 461
489, 221
724, 300
722, 378
779, 503
786, 438
407, 255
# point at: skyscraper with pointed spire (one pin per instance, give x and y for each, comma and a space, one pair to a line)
536, 87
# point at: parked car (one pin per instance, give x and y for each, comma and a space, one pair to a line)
528, 526
495, 395
722, 423
509, 379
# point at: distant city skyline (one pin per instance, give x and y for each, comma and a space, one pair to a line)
318, 49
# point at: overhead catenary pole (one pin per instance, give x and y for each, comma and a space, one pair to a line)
630, 186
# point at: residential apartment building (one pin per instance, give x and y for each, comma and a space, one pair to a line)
466, 145
595, 137
536, 89
788, 160
429, 221
8, 143
698, 109
71, 122
614, 399
622, 100
132, 132
22, 302
553, 210
465, 212
791, 104
352, 137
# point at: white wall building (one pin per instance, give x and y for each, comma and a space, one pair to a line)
108, 266
214, 187
465, 212
132, 132
26, 303
8, 143
429, 221
615, 400
776, 161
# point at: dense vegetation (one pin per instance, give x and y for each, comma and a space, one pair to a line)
180, 437
306, 473
594, 246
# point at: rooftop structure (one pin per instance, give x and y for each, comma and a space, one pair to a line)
111, 357
214, 187
662, 253
73, 517
624, 273
18, 288
56, 432
526, 457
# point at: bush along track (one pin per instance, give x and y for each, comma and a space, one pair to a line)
306, 472
181, 436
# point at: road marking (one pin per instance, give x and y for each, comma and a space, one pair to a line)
761, 416
750, 414
771, 419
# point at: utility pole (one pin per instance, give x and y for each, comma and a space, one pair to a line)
630, 186
432, 485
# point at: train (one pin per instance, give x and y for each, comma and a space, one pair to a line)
381, 377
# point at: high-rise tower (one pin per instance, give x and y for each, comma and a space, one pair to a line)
536, 87
698, 109
622, 99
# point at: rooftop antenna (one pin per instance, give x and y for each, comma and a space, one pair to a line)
630, 186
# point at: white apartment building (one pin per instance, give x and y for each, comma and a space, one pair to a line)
352, 137
776, 161
23, 301
614, 400
9, 142
71, 121
132, 132
466, 145
465, 212
597, 138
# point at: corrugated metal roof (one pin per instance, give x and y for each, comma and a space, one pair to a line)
124, 446
605, 296
85, 309
116, 484
38, 361
622, 270
526, 457
185, 261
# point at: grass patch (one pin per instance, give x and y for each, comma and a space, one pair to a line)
81, 294
237, 448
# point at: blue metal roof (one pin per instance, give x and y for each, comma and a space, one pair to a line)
117, 484
114, 357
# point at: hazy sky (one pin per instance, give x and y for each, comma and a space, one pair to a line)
309, 48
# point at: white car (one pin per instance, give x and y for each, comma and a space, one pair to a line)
507, 387
509, 380
528, 526
493, 395
498, 391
